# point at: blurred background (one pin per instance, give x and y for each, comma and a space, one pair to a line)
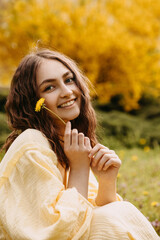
116, 43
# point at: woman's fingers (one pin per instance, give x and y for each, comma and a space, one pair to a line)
96, 148
67, 135
74, 140
103, 160
100, 161
87, 143
98, 156
97, 153
103, 163
81, 139
112, 162
76, 148
102, 157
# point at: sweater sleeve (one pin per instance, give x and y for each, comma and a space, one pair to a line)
34, 205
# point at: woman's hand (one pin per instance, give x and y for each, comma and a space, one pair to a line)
76, 148
104, 163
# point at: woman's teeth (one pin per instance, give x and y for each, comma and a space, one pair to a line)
67, 103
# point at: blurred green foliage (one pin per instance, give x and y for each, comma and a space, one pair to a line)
4, 130
3, 98
119, 129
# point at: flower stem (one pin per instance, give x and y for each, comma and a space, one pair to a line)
55, 115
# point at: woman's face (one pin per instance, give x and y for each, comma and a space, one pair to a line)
57, 85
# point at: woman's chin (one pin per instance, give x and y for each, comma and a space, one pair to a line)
71, 117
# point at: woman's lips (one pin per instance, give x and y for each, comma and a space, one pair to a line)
67, 104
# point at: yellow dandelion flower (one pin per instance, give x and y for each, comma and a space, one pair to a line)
142, 141
154, 204
146, 148
39, 104
134, 158
145, 193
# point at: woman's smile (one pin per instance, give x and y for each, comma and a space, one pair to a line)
67, 104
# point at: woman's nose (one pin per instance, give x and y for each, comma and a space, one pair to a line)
65, 91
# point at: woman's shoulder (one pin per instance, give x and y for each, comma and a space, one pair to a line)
31, 136
30, 148
31, 140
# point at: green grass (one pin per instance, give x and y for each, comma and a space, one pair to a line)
139, 181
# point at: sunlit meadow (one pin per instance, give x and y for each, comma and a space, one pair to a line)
139, 181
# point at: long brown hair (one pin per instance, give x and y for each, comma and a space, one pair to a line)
23, 95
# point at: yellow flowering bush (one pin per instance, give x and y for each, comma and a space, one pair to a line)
115, 42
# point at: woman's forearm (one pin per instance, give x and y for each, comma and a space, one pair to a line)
106, 193
79, 179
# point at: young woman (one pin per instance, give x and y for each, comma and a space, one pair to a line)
47, 186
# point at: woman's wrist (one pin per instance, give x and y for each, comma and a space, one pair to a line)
106, 193
79, 179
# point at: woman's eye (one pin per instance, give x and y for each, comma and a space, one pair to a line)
48, 88
69, 80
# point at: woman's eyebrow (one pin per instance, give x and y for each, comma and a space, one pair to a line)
47, 81
53, 79
67, 73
